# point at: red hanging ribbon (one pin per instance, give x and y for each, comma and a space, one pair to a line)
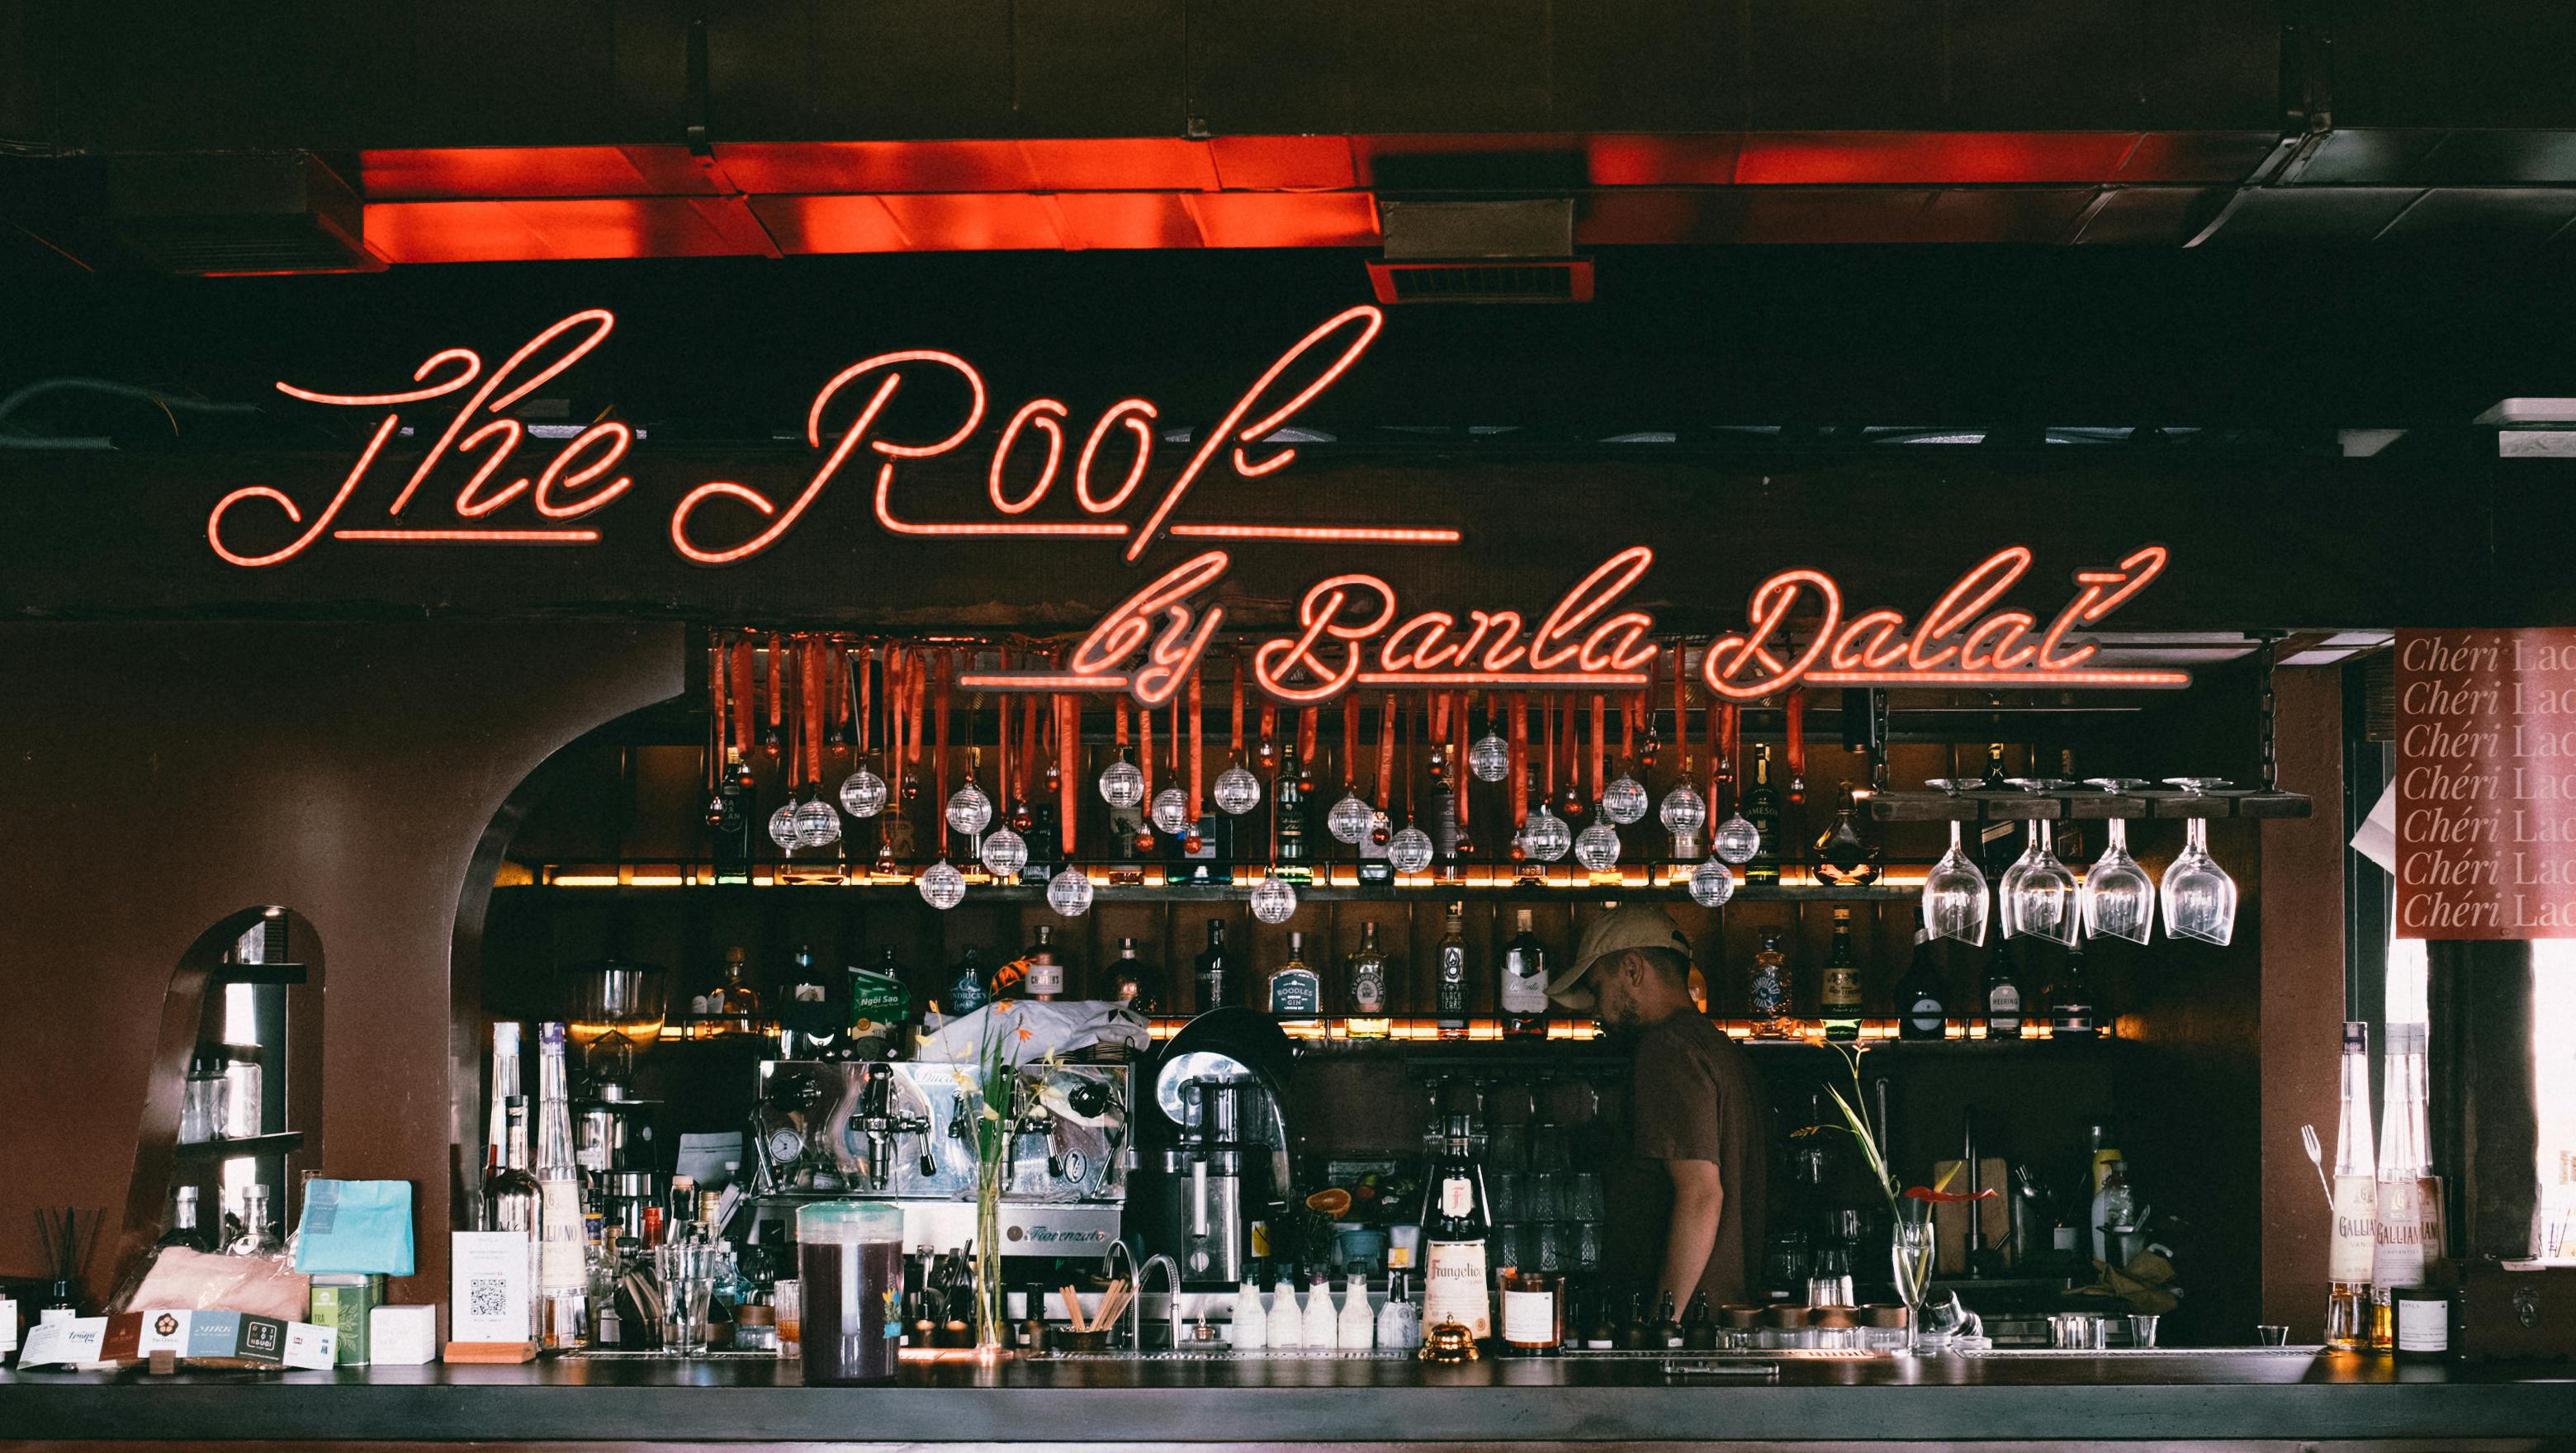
1198, 742
718, 670
1145, 748
1458, 774
1307, 721
1068, 734
1351, 742
1797, 752
777, 681
1520, 761
811, 669
743, 700
1236, 745
1547, 720
1002, 781
916, 690
946, 665
1600, 723
1386, 724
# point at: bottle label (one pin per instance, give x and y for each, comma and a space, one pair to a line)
2423, 1324
1457, 1197
1842, 987
1293, 994
1767, 996
2428, 1213
1927, 1014
1368, 991
1524, 983
1529, 1318
1045, 979
2356, 1229
1453, 1285
2398, 1256
2003, 1006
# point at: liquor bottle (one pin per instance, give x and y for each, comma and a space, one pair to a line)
1128, 983
2003, 998
1454, 1228
563, 1277
967, 990
1210, 969
1287, 1319
1250, 1329
1296, 990
1601, 1333
1323, 1320
184, 1228
1368, 976
1533, 1312
1766, 997
505, 1085
880, 1004
2356, 1226
1922, 1007
1040, 835
729, 819
1210, 862
259, 1232
2400, 1250
511, 1199
1450, 994
1440, 818
1668, 1328
1399, 1322
1288, 817
1999, 842
2071, 1012
735, 1002
1524, 986
1841, 999
1376, 869
1699, 1325
1637, 1333
807, 1026
1762, 809
1045, 977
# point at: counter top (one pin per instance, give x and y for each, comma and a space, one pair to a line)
2294, 1395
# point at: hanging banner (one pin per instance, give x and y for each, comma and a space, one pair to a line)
2486, 784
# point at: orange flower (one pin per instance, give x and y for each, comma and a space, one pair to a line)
1025, 1034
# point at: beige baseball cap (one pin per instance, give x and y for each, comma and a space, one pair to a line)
1630, 925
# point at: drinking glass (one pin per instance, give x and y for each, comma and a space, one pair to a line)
1954, 892
687, 1270
2038, 891
1910, 1247
1541, 1199
787, 1300
1585, 1204
2119, 899
1505, 1187
2200, 898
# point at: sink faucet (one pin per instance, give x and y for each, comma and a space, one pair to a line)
1136, 1309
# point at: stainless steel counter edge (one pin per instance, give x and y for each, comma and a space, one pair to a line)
2318, 1401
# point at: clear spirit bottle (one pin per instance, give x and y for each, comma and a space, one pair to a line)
1368, 978
1524, 982
1841, 998
2350, 1251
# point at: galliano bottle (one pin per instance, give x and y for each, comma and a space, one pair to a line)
563, 1243
2350, 1253
1454, 1227
2408, 1204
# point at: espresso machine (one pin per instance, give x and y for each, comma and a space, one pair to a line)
1219, 1157
905, 1133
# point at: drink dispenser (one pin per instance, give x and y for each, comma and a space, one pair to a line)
849, 1266
1219, 1154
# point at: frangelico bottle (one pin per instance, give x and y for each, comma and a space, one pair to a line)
1455, 1224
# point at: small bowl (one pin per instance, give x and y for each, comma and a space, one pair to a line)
1065, 1339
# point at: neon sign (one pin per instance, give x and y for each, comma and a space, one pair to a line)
1350, 631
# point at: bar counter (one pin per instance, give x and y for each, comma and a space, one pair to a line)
2234, 1400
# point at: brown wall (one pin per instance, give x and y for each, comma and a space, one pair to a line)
2303, 997
158, 777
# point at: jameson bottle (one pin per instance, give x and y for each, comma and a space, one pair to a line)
1841, 1000
2350, 1253
1922, 1008
1454, 1228
1524, 986
1762, 809
1450, 993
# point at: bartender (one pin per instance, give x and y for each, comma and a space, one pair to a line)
1685, 1200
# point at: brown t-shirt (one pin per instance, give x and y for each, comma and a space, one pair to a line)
1692, 1096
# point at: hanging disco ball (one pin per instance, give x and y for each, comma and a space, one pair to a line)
1736, 839
1236, 792
1711, 884
1597, 846
1684, 811
1624, 800
1349, 819
969, 811
1005, 853
1274, 901
1122, 784
1489, 757
782, 827
1172, 811
942, 886
1069, 892
1409, 850
817, 825
1545, 836
863, 794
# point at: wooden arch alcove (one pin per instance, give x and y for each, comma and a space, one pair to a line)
192, 1013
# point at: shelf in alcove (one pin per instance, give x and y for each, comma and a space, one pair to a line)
260, 973
1112, 893
282, 1143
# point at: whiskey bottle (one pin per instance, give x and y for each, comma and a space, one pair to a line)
1450, 994
1288, 809
1128, 982
1209, 971
1455, 1225
1296, 990
1524, 983
2003, 998
1841, 998
1368, 976
735, 1002
2071, 1011
1922, 1007
1762, 809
